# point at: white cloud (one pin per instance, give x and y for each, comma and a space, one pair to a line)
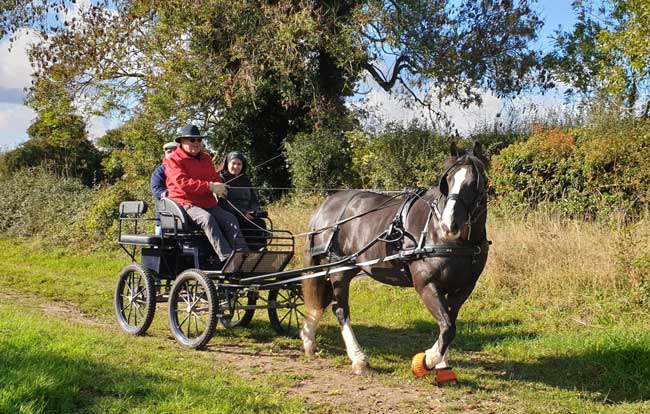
386, 108
15, 69
14, 121
15, 75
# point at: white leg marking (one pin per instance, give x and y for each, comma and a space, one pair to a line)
308, 332
355, 353
433, 357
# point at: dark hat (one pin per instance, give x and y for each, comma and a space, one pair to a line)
189, 131
235, 154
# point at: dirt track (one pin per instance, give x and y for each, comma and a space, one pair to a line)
325, 386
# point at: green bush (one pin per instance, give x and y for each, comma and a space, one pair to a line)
42, 205
320, 159
402, 156
588, 173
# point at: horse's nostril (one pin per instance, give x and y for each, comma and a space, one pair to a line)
445, 228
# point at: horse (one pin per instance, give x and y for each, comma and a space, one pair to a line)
448, 219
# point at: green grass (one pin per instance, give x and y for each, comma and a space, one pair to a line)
52, 366
516, 351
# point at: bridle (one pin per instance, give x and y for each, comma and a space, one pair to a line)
474, 210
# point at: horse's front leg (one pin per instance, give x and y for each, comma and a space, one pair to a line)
341, 309
435, 357
446, 312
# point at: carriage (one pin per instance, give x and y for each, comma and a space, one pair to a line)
433, 240
178, 266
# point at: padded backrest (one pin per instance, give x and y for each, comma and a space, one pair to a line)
173, 216
132, 208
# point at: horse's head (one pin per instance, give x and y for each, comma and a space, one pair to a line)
463, 193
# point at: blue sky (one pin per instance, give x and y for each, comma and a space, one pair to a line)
15, 71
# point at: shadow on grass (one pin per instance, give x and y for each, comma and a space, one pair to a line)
612, 375
621, 374
404, 342
37, 380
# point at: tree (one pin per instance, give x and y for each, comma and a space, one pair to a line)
606, 54
58, 138
275, 68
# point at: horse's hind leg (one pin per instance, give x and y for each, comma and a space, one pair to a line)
317, 294
341, 308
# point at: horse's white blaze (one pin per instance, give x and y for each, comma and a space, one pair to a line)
355, 353
448, 212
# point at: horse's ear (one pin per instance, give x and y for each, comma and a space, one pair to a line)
477, 149
454, 150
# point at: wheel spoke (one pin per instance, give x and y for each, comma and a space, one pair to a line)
180, 324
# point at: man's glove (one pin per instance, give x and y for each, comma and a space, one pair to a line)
219, 189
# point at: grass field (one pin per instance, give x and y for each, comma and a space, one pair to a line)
555, 325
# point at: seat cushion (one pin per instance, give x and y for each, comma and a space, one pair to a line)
140, 239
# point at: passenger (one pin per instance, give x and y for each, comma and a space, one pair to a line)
193, 182
157, 183
243, 202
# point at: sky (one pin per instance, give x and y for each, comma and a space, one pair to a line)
15, 75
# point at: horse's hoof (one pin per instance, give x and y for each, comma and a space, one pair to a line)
310, 351
361, 368
419, 366
445, 376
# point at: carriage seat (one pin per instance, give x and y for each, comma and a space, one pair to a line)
133, 212
174, 220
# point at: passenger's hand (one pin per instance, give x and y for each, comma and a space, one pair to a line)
219, 189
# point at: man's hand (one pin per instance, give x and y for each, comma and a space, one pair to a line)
219, 189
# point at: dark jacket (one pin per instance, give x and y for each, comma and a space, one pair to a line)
157, 184
244, 199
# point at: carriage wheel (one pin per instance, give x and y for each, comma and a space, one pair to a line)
135, 299
193, 307
232, 301
285, 310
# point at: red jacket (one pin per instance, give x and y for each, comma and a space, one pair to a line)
188, 179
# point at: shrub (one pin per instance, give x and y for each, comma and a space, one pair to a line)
43, 205
400, 157
319, 159
590, 172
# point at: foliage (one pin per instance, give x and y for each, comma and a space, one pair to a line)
251, 74
134, 149
402, 156
606, 54
58, 139
319, 160
44, 206
597, 172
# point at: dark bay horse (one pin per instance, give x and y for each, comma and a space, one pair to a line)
452, 214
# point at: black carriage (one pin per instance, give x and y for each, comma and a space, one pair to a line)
179, 266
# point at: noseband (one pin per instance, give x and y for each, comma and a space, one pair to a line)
474, 211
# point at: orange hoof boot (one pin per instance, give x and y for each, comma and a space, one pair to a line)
419, 365
445, 376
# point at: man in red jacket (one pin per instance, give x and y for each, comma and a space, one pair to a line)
192, 182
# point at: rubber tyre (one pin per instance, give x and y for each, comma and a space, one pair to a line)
135, 299
193, 309
239, 318
285, 310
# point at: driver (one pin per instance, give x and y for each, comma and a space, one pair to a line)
192, 182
